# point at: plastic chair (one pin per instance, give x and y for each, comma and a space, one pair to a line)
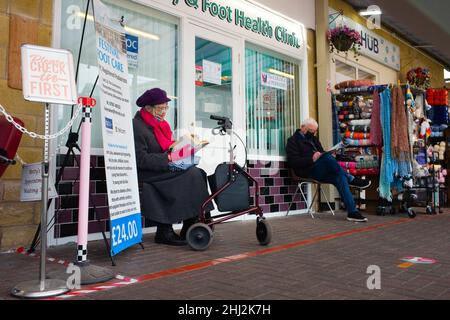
303, 181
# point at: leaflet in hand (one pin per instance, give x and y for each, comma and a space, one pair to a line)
189, 140
336, 147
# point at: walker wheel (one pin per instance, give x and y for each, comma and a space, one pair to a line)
263, 231
199, 236
411, 213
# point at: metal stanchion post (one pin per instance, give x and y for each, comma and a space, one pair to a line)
89, 273
42, 288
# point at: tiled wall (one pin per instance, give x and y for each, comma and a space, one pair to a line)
276, 191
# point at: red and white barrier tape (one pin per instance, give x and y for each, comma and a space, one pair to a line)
120, 280
22, 250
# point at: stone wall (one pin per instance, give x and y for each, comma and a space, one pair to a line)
18, 220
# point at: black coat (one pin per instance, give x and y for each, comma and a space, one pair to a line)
166, 196
299, 151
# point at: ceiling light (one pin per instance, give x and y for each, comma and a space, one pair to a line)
281, 73
127, 29
142, 33
370, 13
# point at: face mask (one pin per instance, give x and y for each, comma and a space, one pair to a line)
160, 115
309, 135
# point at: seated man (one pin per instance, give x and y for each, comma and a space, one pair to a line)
308, 160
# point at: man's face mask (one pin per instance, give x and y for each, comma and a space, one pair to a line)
309, 134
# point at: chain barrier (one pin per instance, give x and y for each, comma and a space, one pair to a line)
34, 135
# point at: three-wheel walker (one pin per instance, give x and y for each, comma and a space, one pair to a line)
230, 187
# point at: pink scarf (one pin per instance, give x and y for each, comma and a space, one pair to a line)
161, 129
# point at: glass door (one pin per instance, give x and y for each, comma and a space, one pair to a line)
213, 81
215, 59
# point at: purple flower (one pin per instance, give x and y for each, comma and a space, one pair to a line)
344, 32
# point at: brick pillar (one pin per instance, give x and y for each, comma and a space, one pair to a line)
323, 76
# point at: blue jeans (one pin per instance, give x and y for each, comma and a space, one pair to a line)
327, 170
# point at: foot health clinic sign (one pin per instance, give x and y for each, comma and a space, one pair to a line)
117, 130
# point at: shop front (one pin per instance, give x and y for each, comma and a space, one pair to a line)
383, 60
235, 59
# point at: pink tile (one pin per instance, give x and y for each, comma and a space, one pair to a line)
278, 181
260, 181
274, 190
279, 199
255, 172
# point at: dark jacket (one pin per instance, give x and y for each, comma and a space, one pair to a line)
166, 196
299, 151
150, 158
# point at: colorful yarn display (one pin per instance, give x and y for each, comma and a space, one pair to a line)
366, 158
438, 115
357, 135
364, 172
365, 122
364, 129
360, 142
354, 83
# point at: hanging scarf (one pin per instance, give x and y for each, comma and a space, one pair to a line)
399, 126
401, 148
386, 170
161, 129
375, 132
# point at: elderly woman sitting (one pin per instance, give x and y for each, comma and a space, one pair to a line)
168, 196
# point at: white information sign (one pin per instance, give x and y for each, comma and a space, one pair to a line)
212, 72
31, 187
48, 75
273, 81
117, 129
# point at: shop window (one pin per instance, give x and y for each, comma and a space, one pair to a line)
272, 100
213, 89
157, 58
363, 75
344, 72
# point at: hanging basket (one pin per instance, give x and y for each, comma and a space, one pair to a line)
343, 43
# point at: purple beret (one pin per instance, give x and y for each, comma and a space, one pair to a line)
152, 97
